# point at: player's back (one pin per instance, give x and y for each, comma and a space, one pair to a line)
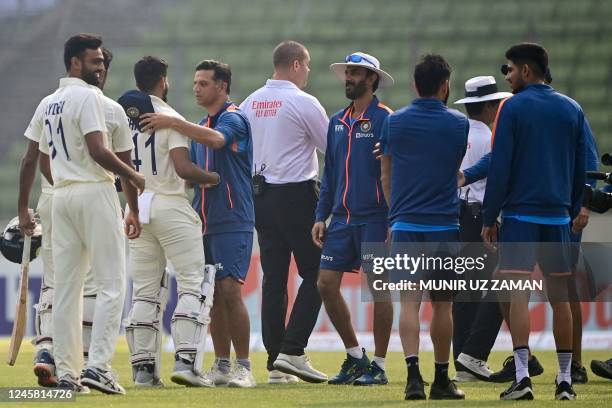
151, 154
119, 135
71, 112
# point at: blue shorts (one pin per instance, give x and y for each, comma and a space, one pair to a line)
342, 245
523, 244
433, 244
431, 247
230, 252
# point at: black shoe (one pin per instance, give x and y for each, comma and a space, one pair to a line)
602, 368
518, 391
445, 392
506, 374
415, 389
565, 391
579, 373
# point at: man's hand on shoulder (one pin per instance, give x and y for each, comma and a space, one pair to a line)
151, 122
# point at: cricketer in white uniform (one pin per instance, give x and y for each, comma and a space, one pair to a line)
86, 218
170, 229
120, 140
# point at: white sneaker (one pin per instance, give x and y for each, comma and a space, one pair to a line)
478, 368
72, 384
219, 377
278, 377
299, 366
243, 378
183, 374
464, 376
103, 381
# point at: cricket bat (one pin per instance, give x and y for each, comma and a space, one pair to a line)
19, 324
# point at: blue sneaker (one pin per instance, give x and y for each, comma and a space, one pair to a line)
373, 376
44, 368
351, 369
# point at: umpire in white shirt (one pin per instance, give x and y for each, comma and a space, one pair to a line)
476, 323
288, 126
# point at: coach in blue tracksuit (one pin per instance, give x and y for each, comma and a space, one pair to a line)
536, 180
222, 141
352, 194
423, 145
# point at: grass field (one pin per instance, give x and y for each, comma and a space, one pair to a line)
597, 393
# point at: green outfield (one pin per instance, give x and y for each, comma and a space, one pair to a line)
594, 394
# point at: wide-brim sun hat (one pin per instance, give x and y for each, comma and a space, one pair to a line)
361, 59
482, 89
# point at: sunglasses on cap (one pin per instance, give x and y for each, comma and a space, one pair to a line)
358, 58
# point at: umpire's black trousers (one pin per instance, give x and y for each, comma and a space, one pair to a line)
284, 216
475, 323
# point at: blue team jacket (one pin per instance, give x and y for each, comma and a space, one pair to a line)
538, 157
480, 169
350, 189
426, 141
227, 207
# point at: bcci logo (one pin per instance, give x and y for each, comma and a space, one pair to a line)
133, 112
365, 126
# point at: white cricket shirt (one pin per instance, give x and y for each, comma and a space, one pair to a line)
151, 155
287, 125
34, 132
70, 113
479, 144
118, 131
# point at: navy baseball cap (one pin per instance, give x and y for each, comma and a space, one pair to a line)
136, 103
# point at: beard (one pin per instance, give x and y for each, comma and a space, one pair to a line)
518, 86
446, 97
354, 91
90, 76
165, 95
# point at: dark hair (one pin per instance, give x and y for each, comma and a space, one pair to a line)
222, 71
375, 84
430, 73
531, 54
76, 45
148, 71
108, 57
475, 109
286, 52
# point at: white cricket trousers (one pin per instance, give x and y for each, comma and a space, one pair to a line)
87, 231
43, 208
174, 232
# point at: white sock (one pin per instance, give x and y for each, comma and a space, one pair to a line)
356, 352
380, 361
521, 362
565, 362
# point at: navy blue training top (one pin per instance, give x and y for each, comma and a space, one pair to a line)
480, 169
426, 141
350, 188
227, 207
538, 157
